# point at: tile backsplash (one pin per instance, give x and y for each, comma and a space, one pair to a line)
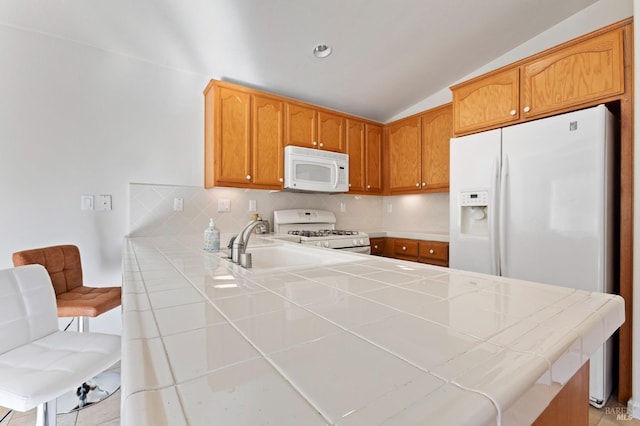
151, 209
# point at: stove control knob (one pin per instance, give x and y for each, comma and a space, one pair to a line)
319, 243
355, 242
326, 244
361, 241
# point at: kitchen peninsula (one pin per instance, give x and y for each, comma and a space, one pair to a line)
356, 340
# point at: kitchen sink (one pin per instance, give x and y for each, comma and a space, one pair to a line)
270, 257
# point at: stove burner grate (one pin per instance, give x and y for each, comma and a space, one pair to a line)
322, 232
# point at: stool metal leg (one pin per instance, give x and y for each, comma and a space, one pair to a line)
83, 324
46, 414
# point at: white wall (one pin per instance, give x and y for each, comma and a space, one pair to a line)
77, 120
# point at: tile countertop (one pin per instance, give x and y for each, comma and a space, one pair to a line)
360, 340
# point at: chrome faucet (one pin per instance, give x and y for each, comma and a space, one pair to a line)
241, 241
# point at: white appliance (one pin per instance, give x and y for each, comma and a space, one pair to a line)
534, 201
307, 169
317, 227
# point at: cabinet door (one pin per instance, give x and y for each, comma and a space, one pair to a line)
377, 246
404, 148
232, 137
584, 72
437, 131
486, 102
373, 172
300, 126
267, 137
331, 132
356, 151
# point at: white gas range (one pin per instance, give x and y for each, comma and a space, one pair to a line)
317, 227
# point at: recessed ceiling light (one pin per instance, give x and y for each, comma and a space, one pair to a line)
321, 51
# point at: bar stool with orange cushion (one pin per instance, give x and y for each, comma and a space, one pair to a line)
74, 299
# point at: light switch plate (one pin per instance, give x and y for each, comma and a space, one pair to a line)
253, 207
86, 202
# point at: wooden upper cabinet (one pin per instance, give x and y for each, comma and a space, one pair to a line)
590, 70
331, 132
300, 125
404, 155
267, 142
232, 124
580, 73
417, 152
487, 101
243, 138
364, 146
437, 131
373, 173
312, 128
356, 151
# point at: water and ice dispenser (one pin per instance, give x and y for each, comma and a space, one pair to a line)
473, 212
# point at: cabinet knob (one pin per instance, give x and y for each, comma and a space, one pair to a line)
321, 144
314, 143
526, 109
375, 246
513, 112
248, 177
368, 186
424, 183
281, 180
404, 248
430, 251
418, 185
349, 185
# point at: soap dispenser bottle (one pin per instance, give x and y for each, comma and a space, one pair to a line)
212, 237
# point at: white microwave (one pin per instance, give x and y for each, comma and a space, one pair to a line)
307, 169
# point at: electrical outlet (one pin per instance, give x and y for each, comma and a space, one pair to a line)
343, 207
253, 206
103, 202
178, 204
389, 208
224, 205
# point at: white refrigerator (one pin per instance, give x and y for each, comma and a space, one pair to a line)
534, 201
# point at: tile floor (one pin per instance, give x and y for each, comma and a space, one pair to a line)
107, 413
613, 413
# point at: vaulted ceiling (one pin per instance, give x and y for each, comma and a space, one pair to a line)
386, 56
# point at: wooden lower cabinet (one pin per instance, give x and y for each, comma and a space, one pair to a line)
431, 252
405, 249
571, 405
377, 246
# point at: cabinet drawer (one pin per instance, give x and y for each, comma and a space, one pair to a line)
405, 249
434, 250
377, 246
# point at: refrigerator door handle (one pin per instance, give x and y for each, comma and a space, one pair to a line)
493, 217
502, 234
